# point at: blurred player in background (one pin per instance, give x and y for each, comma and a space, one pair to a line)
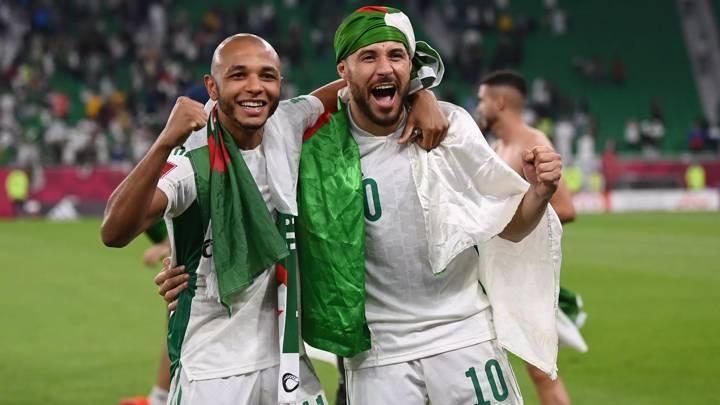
501, 100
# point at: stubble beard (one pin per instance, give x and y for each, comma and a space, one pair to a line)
360, 96
489, 124
228, 108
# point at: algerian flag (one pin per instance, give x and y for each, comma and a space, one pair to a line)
245, 239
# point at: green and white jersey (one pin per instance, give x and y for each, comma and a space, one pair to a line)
207, 341
411, 312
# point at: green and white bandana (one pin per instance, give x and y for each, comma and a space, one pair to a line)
372, 24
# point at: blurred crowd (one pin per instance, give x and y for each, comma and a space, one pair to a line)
99, 91
474, 21
90, 82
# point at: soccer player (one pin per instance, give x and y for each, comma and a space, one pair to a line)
242, 364
241, 175
502, 97
390, 239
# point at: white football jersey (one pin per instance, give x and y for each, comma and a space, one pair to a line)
216, 345
411, 312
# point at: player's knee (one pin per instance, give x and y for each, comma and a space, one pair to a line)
537, 375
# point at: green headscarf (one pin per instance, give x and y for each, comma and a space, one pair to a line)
372, 24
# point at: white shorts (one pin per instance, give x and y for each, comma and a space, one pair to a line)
256, 388
478, 374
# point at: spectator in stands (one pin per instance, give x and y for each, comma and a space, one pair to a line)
541, 96
618, 71
557, 19
592, 68
632, 134
586, 158
656, 111
470, 60
563, 140
652, 132
714, 137
698, 135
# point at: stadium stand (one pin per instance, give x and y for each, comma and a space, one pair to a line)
581, 60
602, 75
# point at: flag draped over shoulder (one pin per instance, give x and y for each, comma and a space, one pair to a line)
331, 238
331, 223
245, 238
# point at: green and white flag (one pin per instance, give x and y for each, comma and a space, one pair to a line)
245, 241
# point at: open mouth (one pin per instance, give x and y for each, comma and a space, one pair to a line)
252, 106
384, 94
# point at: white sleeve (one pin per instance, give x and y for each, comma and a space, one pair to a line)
178, 183
299, 113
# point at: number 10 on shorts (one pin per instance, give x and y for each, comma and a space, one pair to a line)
494, 374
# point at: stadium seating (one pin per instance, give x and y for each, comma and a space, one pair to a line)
654, 57
656, 63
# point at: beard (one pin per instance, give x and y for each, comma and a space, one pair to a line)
487, 124
361, 96
228, 108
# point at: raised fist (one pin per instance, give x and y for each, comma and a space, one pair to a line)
187, 116
542, 167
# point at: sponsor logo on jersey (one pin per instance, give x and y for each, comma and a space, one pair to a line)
290, 382
207, 248
168, 167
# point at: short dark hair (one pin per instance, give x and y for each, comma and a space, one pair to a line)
506, 78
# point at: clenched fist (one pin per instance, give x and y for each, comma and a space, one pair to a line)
542, 167
187, 116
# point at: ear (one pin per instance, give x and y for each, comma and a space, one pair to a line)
501, 102
212, 87
342, 70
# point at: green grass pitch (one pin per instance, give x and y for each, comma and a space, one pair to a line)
82, 324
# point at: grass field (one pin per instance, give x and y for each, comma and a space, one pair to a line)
81, 323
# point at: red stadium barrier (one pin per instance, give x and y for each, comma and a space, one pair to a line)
92, 186
672, 171
6, 206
